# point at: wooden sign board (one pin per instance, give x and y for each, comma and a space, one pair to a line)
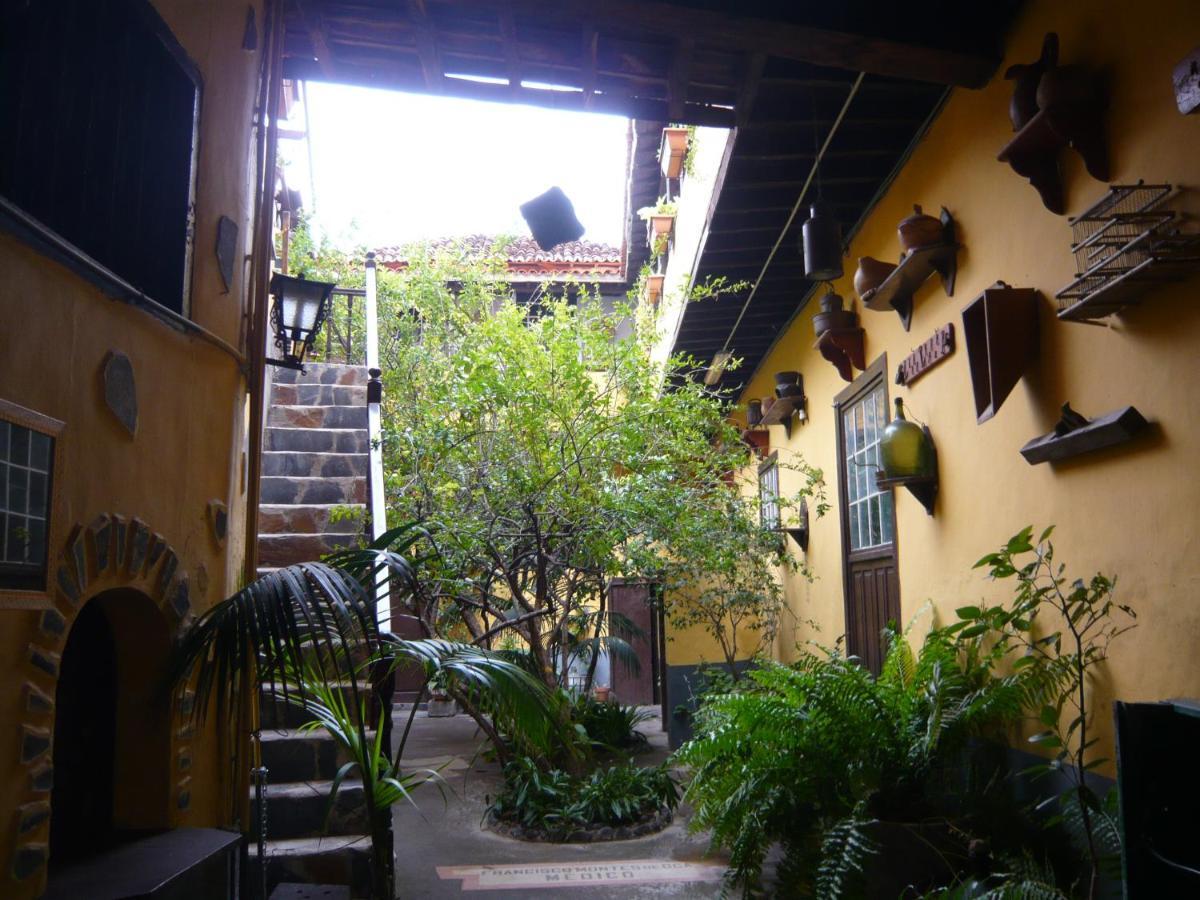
928, 355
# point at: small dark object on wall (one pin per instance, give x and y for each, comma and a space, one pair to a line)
754, 412
1074, 434
120, 390
1187, 83
821, 243
227, 234
218, 521
916, 265
832, 315
551, 219
926, 356
789, 384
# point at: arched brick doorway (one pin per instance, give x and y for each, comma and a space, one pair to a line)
112, 728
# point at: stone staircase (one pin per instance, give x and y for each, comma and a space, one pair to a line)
314, 461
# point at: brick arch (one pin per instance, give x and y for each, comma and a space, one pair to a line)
113, 552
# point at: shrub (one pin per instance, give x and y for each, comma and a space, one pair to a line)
557, 803
815, 754
610, 725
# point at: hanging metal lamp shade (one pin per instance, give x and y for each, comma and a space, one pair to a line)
551, 219
822, 245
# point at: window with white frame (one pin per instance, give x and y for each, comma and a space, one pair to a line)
26, 470
768, 494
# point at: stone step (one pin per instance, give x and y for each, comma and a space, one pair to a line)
329, 465
311, 518
322, 373
287, 549
317, 440
294, 755
301, 810
287, 489
277, 714
317, 416
327, 860
319, 394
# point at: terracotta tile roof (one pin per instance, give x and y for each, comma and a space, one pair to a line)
524, 256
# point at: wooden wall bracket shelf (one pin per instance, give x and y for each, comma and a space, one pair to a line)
897, 290
782, 412
799, 531
1000, 330
757, 440
1033, 151
844, 348
1075, 434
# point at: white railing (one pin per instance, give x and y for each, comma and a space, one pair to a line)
376, 505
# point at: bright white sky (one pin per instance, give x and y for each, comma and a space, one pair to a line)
389, 168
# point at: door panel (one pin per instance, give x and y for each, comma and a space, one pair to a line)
868, 519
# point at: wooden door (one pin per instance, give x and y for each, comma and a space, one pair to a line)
872, 590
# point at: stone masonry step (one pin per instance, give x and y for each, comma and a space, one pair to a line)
286, 549
317, 440
319, 394
322, 373
294, 755
301, 810
329, 465
330, 860
317, 416
313, 518
278, 489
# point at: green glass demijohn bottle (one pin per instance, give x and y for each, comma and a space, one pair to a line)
905, 449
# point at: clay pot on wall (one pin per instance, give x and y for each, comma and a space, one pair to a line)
789, 384
1028, 76
871, 274
754, 412
673, 151
919, 230
832, 316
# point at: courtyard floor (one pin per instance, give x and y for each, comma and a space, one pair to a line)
443, 850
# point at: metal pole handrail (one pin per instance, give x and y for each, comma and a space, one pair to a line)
377, 507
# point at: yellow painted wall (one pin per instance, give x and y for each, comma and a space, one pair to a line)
1132, 510
56, 331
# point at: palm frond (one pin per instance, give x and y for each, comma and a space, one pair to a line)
310, 611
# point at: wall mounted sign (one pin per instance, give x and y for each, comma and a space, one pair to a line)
1186, 76
928, 355
227, 233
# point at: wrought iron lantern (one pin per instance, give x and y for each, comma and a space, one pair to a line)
822, 244
297, 314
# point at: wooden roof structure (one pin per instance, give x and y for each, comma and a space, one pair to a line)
778, 73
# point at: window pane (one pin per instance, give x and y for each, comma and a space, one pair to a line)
864, 484
40, 457
19, 451
869, 408
859, 437
885, 514
18, 488
3, 485
37, 541
3, 440
874, 508
18, 534
854, 540
3, 534
37, 494
881, 409
848, 431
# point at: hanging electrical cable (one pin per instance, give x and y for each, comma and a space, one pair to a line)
724, 355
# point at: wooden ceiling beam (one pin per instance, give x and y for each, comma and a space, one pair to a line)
508, 34
775, 37
677, 78
316, 33
431, 66
748, 92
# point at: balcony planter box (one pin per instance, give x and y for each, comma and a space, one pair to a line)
658, 229
673, 151
654, 288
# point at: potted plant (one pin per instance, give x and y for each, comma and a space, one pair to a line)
654, 288
660, 222
673, 151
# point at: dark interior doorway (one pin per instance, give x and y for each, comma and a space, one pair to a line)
85, 739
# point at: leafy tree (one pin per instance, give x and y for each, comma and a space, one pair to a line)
556, 454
